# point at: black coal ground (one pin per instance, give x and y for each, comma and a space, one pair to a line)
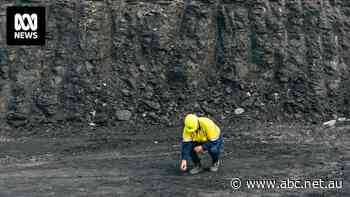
103, 162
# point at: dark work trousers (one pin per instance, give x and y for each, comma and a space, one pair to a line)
213, 148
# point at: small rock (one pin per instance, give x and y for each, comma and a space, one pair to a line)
123, 115
89, 66
149, 95
101, 118
126, 92
131, 82
153, 105
298, 116
4, 69
196, 107
330, 123
209, 110
239, 111
342, 119
142, 85
92, 124
17, 119
143, 68
248, 102
228, 90
154, 116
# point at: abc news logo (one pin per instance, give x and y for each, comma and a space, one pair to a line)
26, 25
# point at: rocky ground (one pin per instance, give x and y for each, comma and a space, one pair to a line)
103, 162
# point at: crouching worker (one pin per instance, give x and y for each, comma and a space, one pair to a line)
200, 134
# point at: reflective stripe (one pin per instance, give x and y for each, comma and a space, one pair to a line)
189, 140
215, 138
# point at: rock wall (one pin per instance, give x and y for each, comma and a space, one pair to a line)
151, 61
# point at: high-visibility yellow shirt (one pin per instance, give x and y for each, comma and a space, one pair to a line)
208, 130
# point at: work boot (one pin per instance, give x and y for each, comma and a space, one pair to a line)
196, 169
215, 166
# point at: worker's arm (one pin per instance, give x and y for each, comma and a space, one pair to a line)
186, 150
186, 145
185, 154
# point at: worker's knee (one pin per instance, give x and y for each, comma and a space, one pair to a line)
214, 149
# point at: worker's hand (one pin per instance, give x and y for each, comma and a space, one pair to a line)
198, 149
183, 165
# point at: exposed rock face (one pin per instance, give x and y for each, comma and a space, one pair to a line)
162, 58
